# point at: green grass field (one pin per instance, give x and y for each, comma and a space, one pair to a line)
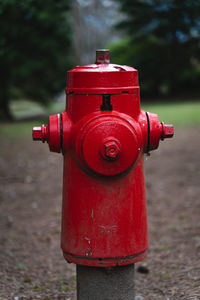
179, 114
23, 108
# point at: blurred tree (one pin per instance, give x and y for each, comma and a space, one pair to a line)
93, 27
34, 50
163, 42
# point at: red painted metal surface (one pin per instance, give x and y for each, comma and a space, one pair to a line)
103, 135
50, 133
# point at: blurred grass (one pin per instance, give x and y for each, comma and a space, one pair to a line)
24, 108
177, 113
180, 114
18, 130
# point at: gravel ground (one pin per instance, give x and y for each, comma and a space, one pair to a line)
31, 262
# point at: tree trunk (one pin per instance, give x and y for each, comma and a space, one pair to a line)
174, 73
5, 112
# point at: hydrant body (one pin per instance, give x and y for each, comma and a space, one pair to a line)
103, 135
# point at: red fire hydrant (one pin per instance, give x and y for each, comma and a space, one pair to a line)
103, 135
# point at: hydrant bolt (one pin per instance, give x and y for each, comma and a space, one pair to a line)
102, 56
111, 149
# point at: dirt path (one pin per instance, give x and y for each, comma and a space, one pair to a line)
31, 262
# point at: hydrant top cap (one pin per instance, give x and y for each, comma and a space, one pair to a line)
103, 64
102, 77
103, 68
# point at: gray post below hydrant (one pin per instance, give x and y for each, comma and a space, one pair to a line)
96, 283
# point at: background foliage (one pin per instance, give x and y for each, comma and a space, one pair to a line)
34, 50
163, 44
40, 40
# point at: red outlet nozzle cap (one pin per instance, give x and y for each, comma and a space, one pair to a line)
40, 133
167, 131
49, 133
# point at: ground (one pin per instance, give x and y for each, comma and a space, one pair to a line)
31, 262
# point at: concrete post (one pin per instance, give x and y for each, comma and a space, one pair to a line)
96, 283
